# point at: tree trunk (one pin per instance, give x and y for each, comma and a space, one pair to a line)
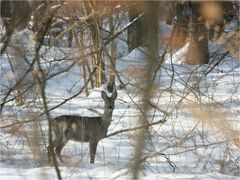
84, 63
198, 47
179, 33
151, 16
96, 36
112, 54
136, 32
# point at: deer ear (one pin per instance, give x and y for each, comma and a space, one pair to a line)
114, 95
104, 95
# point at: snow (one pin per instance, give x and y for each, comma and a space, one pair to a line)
177, 57
198, 149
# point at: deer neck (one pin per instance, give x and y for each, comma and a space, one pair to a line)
107, 117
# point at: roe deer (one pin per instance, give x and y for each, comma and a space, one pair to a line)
83, 128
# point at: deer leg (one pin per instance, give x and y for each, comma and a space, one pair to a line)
56, 142
58, 151
93, 148
49, 154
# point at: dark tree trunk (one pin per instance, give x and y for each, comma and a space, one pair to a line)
15, 14
136, 32
198, 47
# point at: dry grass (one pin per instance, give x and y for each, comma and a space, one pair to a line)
216, 121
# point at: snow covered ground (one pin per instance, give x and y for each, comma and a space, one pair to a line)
199, 140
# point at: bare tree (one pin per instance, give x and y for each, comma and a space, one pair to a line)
152, 21
176, 105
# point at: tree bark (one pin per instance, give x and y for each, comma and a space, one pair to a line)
179, 32
136, 32
96, 35
198, 47
112, 54
147, 87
